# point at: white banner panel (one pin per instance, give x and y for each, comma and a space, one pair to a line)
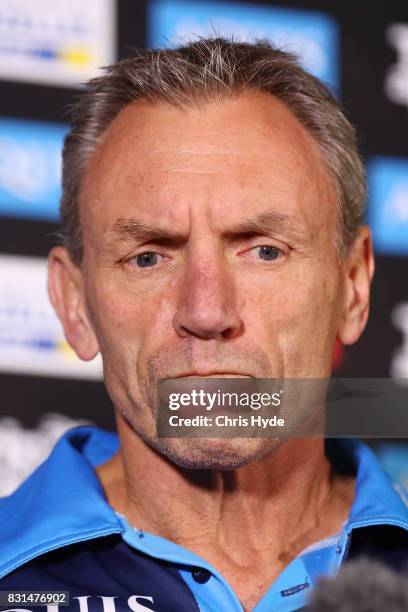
22, 450
31, 336
54, 41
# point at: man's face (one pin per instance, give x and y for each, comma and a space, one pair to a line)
209, 248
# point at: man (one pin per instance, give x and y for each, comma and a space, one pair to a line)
212, 214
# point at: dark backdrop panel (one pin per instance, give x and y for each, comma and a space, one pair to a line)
365, 57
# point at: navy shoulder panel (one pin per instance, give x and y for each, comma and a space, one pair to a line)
103, 575
384, 543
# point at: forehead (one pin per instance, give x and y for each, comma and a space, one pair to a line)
226, 156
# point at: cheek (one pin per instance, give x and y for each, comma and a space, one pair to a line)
311, 332
126, 317
285, 301
295, 317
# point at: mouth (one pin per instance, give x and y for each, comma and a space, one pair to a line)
213, 374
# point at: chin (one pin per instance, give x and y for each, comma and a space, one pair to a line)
214, 453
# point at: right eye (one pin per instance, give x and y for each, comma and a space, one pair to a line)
146, 259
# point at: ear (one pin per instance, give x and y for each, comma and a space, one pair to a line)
66, 292
357, 273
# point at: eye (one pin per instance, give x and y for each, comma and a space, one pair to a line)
268, 252
146, 259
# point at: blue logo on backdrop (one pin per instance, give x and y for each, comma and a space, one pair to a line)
30, 168
388, 204
313, 35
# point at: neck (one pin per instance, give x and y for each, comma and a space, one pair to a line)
274, 507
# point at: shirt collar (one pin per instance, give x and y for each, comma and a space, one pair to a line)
63, 502
378, 501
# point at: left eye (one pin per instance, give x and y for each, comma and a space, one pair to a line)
268, 253
146, 259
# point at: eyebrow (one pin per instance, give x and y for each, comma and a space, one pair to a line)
271, 222
136, 230
267, 222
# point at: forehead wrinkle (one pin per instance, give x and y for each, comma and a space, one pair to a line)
198, 150
264, 222
272, 174
277, 170
176, 170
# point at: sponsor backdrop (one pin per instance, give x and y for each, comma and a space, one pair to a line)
359, 49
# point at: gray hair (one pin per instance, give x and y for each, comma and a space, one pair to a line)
206, 70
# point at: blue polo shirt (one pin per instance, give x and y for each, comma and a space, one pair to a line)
58, 532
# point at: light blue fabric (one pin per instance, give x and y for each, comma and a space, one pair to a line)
62, 502
287, 593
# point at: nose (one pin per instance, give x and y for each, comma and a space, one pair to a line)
207, 305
